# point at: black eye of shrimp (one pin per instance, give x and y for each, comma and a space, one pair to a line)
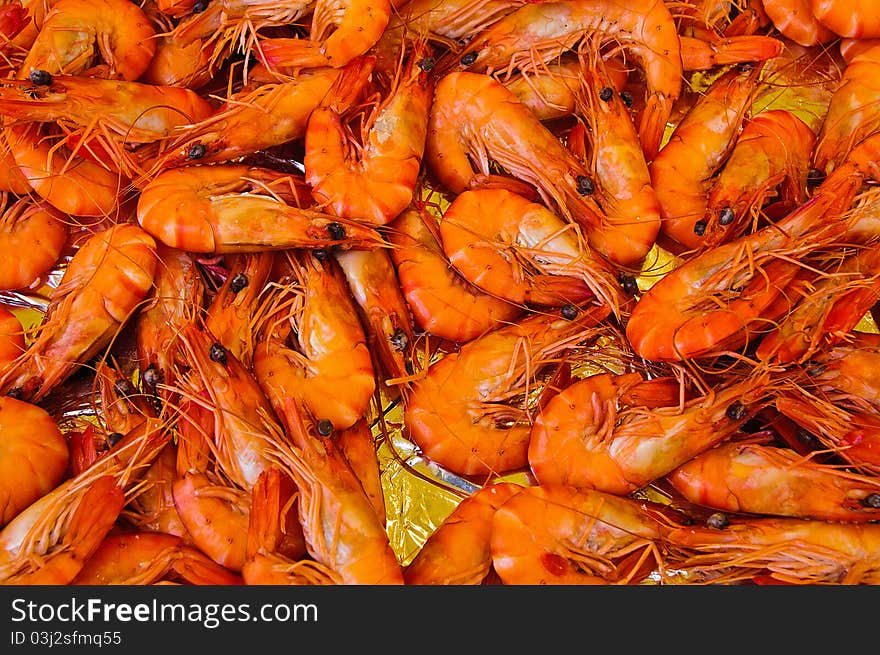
40, 77
700, 228
218, 354
114, 437
726, 216
629, 283
815, 177
16, 393
469, 59
123, 387
872, 501
585, 185
569, 312
196, 151
718, 520
399, 340
199, 7
627, 98
324, 427
152, 377
606, 93
426, 63
320, 254
736, 411
336, 231
238, 282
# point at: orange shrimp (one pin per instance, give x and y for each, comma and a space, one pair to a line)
624, 189
219, 209
178, 293
476, 120
340, 31
101, 289
469, 413
521, 251
789, 550
850, 48
681, 174
717, 299
796, 21
387, 321
12, 341
442, 302
555, 534
854, 19
851, 367
33, 457
341, 528
705, 54
11, 178
311, 343
143, 558
643, 29
33, 237
761, 479
232, 313
458, 551
375, 180
585, 438
772, 152
112, 37
359, 449
851, 115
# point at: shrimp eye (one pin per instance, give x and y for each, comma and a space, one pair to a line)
336, 231
113, 438
606, 93
40, 77
807, 438
744, 67
426, 63
814, 368
199, 7
123, 387
469, 59
196, 151
218, 354
16, 393
320, 254
324, 427
152, 377
726, 216
585, 185
700, 228
569, 311
736, 411
872, 501
718, 520
815, 177
629, 283
627, 98
238, 282
399, 340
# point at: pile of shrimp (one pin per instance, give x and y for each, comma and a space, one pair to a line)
612, 267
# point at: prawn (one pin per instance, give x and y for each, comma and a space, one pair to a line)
458, 551
555, 534
359, 449
470, 411
796, 21
441, 301
587, 437
853, 19
522, 252
105, 282
699, 54
762, 479
219, 209
32, 238
373, 181
643, 29
33, 456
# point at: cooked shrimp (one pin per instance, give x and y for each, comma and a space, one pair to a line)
469, 413
458, 551
32, 238
219, 209
705, 54
33, 456
854, 19
795, 20
358, 446
101, 289
442, 302
554, 534
12, 342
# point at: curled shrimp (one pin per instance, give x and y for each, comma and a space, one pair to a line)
849, 367
34, 455
519, 250
790, 550
32, 236
643, 29
586, 437
340, 31
374, 180
311, 342
555, 534
469, 413
101, 289
761, 479
218, 209
442, 302
854, 19
458, 551
476, 120
795, 20
75, 32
